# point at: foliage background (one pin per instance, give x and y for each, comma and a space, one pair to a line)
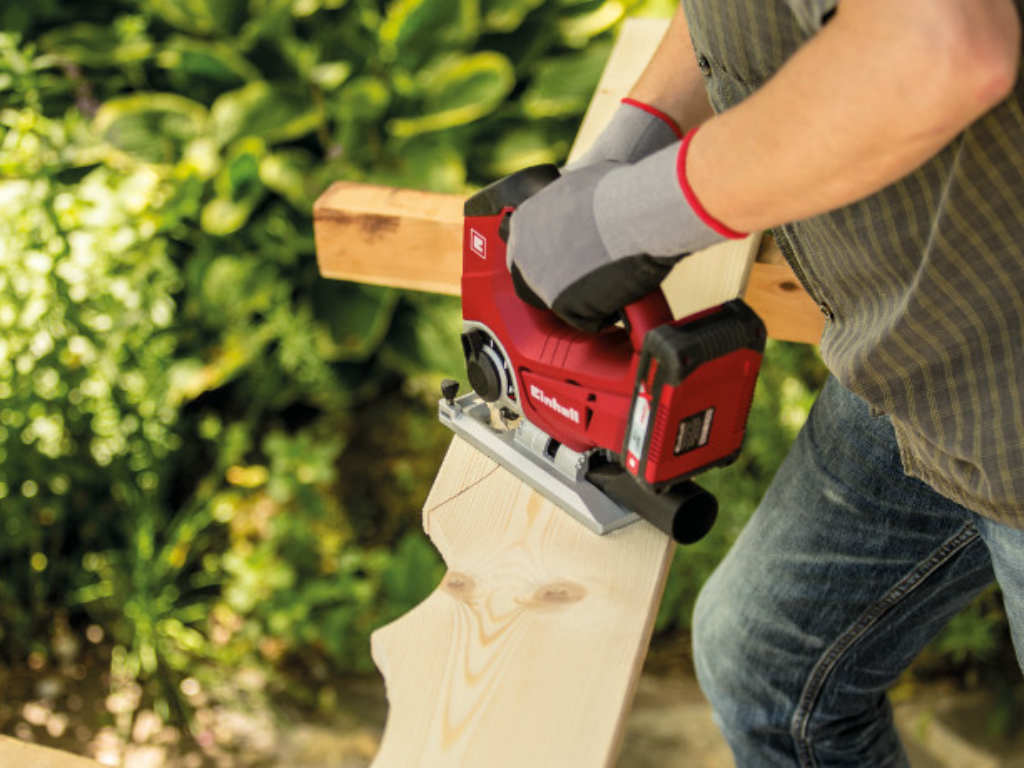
212, 458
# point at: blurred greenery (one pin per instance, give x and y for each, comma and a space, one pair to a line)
206, 450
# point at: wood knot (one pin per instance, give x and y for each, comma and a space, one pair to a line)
459, 585
558, 593
788, 286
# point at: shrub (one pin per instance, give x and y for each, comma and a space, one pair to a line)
208, 450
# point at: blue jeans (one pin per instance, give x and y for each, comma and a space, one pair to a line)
847, 569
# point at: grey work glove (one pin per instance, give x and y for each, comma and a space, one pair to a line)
604, 236
635, 131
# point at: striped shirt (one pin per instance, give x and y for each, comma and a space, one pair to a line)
922, 284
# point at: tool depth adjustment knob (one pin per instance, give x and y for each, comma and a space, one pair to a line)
485, 366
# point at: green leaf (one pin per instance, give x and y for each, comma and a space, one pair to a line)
206, 60
201, 17
411, 576
330, 74
239, 177
153, 126
273, 112
356, 316
458, 91
522, 147
506, 15
288, 173
302, 8
426, 162
237, 186
364, 98
222, 215
411, 27
95, 45
578, 29
562, 85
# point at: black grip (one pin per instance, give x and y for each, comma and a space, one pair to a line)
510, 190
679, 350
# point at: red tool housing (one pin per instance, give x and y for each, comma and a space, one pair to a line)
667, 398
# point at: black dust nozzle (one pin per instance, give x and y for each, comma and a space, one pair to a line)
685, 511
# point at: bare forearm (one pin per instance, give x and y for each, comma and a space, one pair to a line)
672, 81
874, 95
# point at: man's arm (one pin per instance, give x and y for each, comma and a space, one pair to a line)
877, 92
672, 81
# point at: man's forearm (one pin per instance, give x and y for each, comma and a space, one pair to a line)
880, 90
672, 81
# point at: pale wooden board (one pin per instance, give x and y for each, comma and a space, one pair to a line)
636, 42
528, 652
19, 754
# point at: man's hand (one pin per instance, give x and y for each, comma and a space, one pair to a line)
635, 131
558, 254
606, 235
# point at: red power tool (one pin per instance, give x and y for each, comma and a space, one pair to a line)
608, 425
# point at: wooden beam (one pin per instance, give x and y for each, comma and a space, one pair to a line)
407, 238
399, 237
20, 754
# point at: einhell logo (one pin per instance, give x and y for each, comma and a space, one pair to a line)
477, 243
570, 413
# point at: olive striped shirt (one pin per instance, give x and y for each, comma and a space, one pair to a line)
922, 284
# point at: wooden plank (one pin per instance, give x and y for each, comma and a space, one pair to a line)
789, 313
528, 652
20, 754
411, 239
399, 237
637, 41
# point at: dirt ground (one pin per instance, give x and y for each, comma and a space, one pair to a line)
669, 725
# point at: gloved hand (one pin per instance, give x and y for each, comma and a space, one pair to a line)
604, 236
635, 131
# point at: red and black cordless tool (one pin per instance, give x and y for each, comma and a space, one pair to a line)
608, 425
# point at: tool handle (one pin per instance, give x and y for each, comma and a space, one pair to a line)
646, 314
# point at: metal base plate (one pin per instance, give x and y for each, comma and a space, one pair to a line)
558, 479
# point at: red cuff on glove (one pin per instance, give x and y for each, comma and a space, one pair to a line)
691, 198
657, 113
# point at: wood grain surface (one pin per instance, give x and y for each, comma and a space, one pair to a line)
399, 237
19, 754
528, 651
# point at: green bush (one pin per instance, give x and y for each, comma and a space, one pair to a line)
208, 450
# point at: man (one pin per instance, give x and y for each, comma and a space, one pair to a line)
883, 143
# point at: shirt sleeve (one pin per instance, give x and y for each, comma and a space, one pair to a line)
812, 14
